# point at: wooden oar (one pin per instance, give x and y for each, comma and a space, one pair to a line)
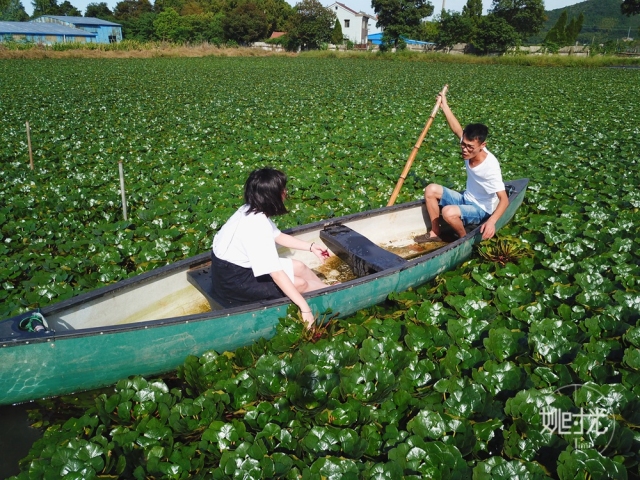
414, 151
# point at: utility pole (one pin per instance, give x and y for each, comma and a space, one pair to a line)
443, 5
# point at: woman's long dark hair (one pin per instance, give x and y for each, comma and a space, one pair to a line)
263, 192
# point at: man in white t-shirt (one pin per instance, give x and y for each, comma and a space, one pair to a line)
484, 199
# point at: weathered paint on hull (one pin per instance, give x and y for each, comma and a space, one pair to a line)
76, 361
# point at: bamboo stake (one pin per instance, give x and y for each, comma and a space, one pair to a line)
414, 151
29, 143
124, 198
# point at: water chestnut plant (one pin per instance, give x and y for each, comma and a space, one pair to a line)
458, 378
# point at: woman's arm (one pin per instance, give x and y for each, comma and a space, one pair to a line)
284, 282
288, 241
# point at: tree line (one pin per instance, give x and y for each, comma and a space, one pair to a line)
508, 23
309, 24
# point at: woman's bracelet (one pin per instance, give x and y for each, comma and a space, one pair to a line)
311, 246
305, 312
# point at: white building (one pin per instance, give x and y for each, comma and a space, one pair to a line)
355, 25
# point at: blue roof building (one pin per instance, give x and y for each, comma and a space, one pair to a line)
43, 33
106, 32
376, 39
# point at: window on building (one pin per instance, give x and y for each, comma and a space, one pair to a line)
112, 39
346, 24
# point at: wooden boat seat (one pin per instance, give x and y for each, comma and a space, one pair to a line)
201, 279
361, 254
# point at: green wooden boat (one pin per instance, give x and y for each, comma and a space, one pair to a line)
148, 324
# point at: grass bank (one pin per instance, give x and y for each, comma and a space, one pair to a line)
520, 59
126, 49
135, 49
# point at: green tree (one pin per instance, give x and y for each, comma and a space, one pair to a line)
310, 25
494, 35
245, 24
44, 7
473, 10
562, 34
169, 25
161, 5
278, 13
453, 28
525, 16
128, 9
428, 31
13, 11
139, 28
557, 33
573, 29
191, 7
401, 17
212, 6
99, 10
65, 8
630, 7
336, 36
206, 27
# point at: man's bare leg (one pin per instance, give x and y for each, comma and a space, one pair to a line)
432, 196
453, 216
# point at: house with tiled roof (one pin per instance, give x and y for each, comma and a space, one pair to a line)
355, 25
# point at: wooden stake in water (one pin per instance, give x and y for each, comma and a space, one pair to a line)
124, 198
29, 143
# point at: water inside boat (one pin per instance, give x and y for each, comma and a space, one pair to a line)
336, 270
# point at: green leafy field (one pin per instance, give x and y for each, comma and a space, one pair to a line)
451, 380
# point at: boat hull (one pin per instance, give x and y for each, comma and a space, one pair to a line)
74, 359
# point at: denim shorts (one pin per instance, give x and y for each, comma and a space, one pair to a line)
471, 212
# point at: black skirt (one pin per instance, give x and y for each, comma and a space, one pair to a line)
235, 285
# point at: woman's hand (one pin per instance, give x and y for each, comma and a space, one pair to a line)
308, 318
319, 251
289, 289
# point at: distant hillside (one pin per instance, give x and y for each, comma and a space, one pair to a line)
602, 21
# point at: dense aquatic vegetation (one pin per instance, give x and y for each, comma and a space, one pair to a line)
456, 379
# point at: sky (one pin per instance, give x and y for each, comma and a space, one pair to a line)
357, 5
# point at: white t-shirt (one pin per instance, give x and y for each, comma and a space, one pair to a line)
247, 240
483, 182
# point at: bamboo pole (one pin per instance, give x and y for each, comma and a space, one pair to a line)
29, 143
122, 194
416, 147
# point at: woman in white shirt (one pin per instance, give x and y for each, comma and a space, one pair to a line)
244, 258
